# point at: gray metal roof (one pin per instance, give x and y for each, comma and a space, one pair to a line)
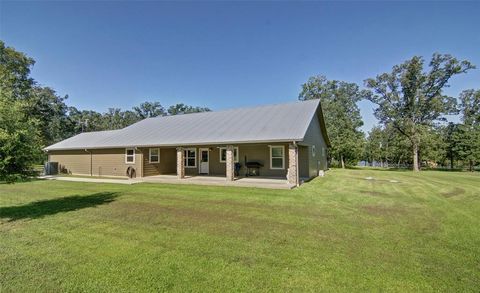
269, 123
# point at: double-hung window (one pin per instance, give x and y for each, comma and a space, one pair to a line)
130, 156
154, 155
277, 157
190, 157
314, 151
223, 154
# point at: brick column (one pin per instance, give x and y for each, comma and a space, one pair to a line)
230, 163
292, 175
180, 163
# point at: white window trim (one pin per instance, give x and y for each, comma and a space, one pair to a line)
126, 156
224, 148
283, 157
314, 151
185, 158
150, 155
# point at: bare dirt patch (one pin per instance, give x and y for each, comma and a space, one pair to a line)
214, 220
455, 192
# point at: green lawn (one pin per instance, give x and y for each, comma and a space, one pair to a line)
337, 233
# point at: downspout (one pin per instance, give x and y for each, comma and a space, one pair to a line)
91, 161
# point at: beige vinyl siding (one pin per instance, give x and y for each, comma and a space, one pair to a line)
72, 162
111, 162
167, 164
102, 162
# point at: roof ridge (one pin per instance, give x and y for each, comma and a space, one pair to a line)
238, 108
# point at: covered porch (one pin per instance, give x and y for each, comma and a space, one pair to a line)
272, 165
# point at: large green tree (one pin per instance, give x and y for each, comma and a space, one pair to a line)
51, 112
412, 99
19, 135
342, 115
467, 138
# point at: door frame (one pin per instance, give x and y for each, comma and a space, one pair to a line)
200, 160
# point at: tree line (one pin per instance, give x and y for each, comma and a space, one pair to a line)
34, 116
412, 110
411, 107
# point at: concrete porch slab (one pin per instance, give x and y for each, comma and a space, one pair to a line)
91, 180
259, 182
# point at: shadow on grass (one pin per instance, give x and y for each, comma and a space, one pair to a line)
48, 207
22, 180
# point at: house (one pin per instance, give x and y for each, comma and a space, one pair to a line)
283, 140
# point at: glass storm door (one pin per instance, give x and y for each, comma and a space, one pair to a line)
204, 165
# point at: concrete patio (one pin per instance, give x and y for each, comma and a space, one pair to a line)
258, 182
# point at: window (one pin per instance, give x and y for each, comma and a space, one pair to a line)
154, 155
313, 151
190, 158
223, 154
130, 156
277, 157
324, 151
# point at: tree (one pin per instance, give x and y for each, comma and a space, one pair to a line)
149, 109
375, 146
467, 138
85, 120
447, 134
185, 109
411, 99
52, 114
19, 136
342, 115
470, 107
19, 141
432, 147
129, 117
14, 73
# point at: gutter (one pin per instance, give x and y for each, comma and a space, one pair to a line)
182, 144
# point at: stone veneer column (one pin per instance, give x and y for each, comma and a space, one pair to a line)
180, 163
230, 164
292, 164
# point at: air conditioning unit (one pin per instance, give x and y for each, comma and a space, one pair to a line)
51, 168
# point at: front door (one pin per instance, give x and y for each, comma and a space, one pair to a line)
204, 161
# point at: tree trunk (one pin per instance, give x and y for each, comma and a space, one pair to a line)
415, 157
470, 162
451, 162
343, 163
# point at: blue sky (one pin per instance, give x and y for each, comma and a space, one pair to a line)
229, 54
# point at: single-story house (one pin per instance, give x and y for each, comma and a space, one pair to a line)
283, 140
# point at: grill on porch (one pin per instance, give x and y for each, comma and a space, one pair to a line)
253, 168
